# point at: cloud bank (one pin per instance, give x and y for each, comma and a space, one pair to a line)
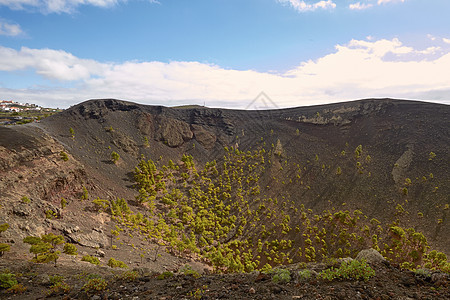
362, 5
303, 6
357, 69
56, 6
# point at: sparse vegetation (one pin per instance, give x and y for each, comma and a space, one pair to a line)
72, 132
7, 279
70, 249
115, 157
164, 275
85, 194
95, 285
113, 263
64, 156
354, 270
91, 259
280, 275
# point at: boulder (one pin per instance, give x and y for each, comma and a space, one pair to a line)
371, 256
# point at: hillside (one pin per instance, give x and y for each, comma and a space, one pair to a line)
230, 190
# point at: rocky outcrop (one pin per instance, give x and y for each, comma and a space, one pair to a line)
93, 239
402, 164
206, 138
124, 142
145, 124
173, 132
35, 169
342, 114
213, 118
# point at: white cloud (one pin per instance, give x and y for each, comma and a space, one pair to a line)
9, 29
447, 41
431, 37
56, 6
360, 6
357, 69
366, 4
303, 6
389, 1
51, 64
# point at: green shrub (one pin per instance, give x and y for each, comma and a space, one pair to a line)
4, 248
70, 249
64, 156
4, 227
91, 259
85, 194
32, 240
113, 263
95, 285
164, 275
115, 156
281, 275
55, 279
100, 204
128, 276
7, 280
187, 270
25, 199
304, 275
50, 214
63, 203
423, 273
354, 270
58, 288
17, 289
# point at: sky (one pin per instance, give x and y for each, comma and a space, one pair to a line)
224, 53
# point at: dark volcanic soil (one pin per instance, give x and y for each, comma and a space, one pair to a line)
389, 283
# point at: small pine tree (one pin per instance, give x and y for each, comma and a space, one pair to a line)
85, 194
431, 156
64, 156
63, 203
115, 157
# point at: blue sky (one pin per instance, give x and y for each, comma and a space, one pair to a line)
224, 52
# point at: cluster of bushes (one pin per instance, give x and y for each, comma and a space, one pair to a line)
218, 213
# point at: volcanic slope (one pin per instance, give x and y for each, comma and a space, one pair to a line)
397, 140
237, 190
